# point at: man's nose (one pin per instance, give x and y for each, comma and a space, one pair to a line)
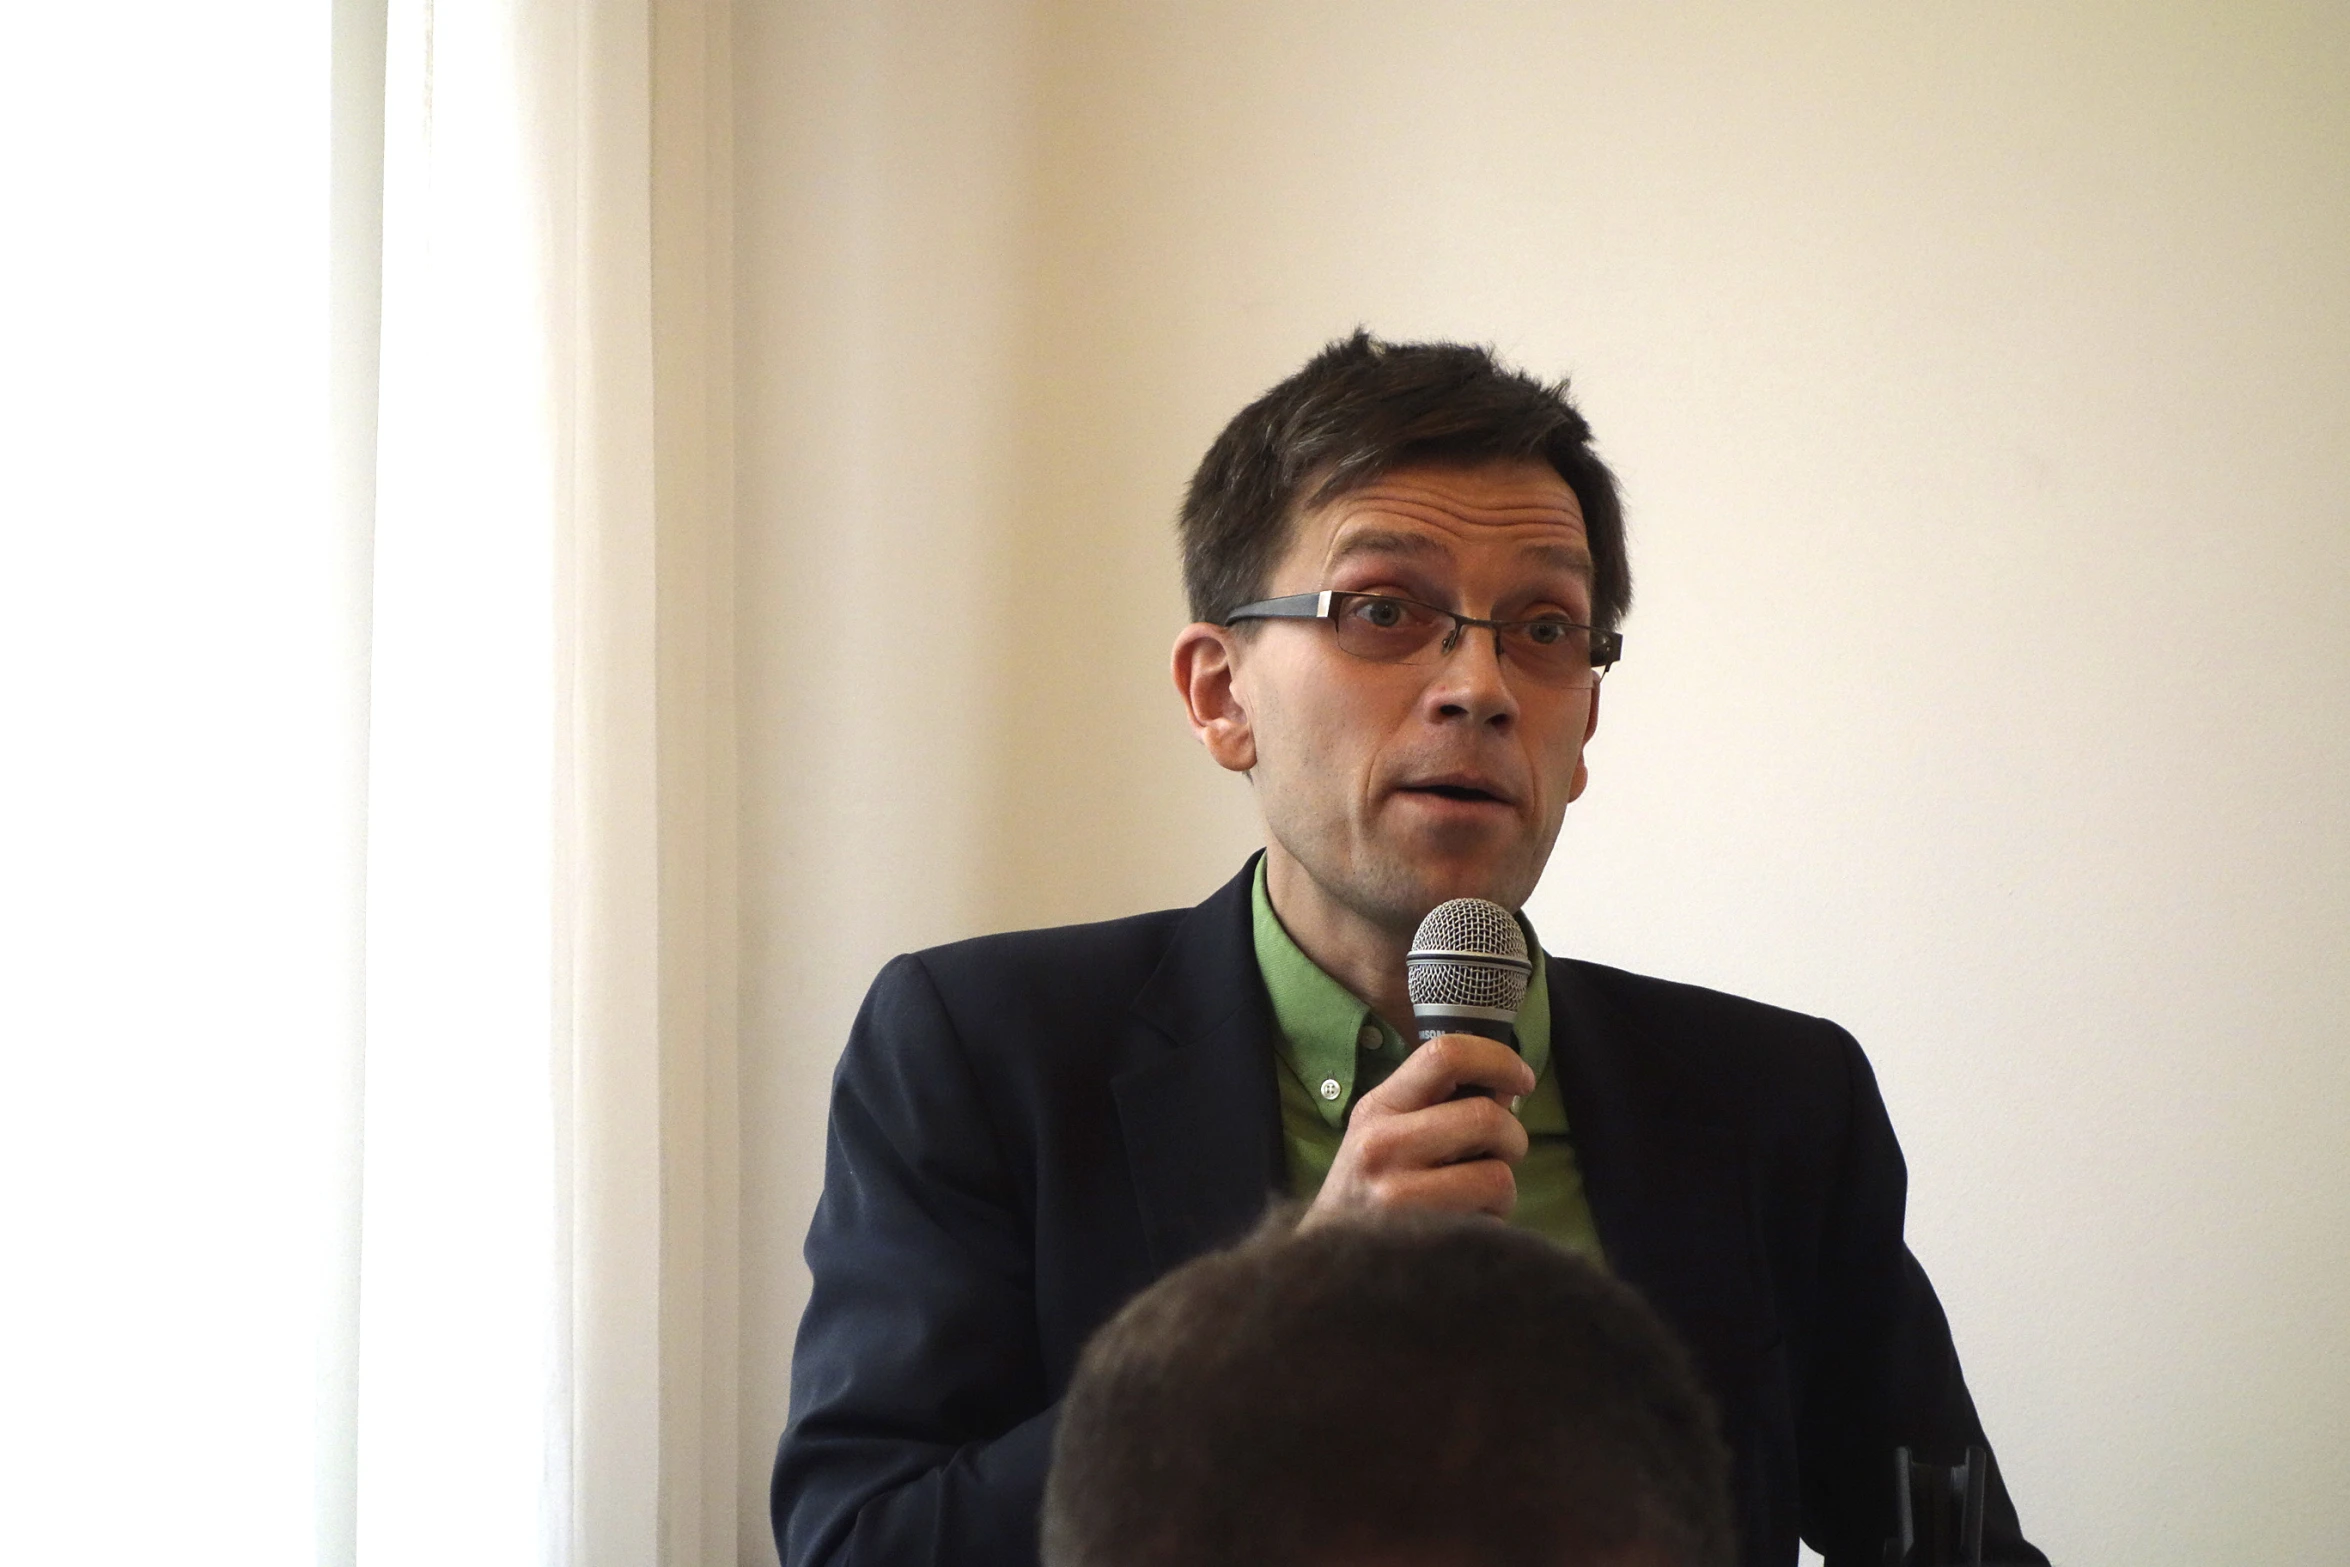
1470, 682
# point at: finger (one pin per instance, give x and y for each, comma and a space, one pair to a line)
1431, 1074
1481, 1186
1454, 1132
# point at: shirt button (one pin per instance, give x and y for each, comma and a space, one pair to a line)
1330, 1088
1368, 1038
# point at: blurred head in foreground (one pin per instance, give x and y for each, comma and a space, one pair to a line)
1411, 1391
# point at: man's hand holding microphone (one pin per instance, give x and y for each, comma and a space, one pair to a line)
1440, 1132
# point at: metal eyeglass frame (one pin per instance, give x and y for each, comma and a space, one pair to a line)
1606, 646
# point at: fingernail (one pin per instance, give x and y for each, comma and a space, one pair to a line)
1515, 1101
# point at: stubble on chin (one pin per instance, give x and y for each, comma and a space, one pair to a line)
1391, 900
1395, 893
1390, 880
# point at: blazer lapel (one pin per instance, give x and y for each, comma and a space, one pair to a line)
1200, 1114
1666, 1179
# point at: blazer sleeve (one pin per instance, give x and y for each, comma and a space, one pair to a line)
1885, 1373
920, 1429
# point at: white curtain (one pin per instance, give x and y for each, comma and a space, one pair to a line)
358, 611
464, 1384
512, 1282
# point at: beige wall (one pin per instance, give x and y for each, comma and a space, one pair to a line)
1980, 378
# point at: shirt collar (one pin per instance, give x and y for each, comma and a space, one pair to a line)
1332, 1040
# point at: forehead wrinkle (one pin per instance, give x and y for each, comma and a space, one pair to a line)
1442, 511
1501, 494
1388, 541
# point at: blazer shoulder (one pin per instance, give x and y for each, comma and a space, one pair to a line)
1063, 962
1017, 999
1675, 1003
1708, 1045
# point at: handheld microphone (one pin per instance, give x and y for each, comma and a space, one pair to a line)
1468, 970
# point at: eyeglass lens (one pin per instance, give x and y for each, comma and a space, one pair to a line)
1398, 631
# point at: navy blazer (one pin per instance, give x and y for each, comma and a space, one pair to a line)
1028, 1129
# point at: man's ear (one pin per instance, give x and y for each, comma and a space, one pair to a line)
1582, 755
1204, 670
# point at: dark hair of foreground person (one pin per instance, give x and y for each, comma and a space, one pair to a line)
1413, 1389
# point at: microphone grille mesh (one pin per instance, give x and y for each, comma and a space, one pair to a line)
1468, 952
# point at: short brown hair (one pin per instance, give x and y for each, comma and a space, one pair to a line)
1445, 1387
1362, 408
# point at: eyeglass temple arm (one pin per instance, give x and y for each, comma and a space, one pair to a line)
1294, 606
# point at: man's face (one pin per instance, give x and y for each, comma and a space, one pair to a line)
1392, 787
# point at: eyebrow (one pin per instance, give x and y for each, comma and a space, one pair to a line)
1383, 541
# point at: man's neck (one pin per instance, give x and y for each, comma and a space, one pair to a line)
1366, 958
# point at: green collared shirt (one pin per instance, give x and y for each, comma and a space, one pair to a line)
1333, 1049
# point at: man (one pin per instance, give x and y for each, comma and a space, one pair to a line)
1307, 1399
1406, 569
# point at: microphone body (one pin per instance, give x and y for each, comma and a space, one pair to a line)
1468, 971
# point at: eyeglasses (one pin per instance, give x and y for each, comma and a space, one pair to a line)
1388, 630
